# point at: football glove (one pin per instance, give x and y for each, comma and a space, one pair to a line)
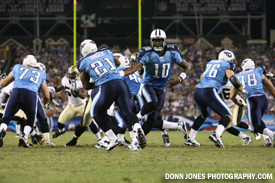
51, 89
47, 106
270, 75
3, 76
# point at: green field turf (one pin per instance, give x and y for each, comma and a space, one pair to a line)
84, 163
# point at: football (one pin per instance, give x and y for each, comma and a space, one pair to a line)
49, 112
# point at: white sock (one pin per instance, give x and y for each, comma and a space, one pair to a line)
242, 135
33, 133
133, 135
139, 115
17, 127
3, 126
163, 132
193, 133
268, 132
46, 136
219, 130
97, 136
27, 130
120, 137
169, 125
111, 135
265, 137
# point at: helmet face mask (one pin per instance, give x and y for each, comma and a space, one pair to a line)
226, 55
73, 73
158, 40
248, 64
87, 46
133, 58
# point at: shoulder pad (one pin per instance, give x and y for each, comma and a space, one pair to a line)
143, 51
264, 69
232, 66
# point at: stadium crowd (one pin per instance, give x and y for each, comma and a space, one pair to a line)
179, 99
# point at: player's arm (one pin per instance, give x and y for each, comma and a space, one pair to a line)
268, 84
202, 75
7, 80
233, 97
85, 79
44, 89
186, 67
82, 93
131, 70
117, 62
234, 80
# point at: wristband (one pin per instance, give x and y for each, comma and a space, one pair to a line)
121, 73
183, 75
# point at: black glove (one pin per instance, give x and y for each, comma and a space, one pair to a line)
47, 106
75, 92
3, 76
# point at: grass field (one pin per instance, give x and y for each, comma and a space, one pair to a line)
84, 163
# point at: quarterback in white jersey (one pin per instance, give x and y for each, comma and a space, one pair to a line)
76, 98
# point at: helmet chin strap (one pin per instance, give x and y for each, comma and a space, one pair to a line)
158, 49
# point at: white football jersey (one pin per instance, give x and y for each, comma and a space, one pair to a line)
68, 85
6, 90
225, 93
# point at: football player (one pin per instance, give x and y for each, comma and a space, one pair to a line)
100, 66
29, 79
206, 96
253, 80
158, 60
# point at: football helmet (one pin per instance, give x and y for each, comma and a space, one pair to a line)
124, 61
73, 73
42, 67
158, 34
87, 46
133, 58
227, 55
30, 60
248, 64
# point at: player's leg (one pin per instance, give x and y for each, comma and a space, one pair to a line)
11, 108
67, 114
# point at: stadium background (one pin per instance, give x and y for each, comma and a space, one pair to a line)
45, 28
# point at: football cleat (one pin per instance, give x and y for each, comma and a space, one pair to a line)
17, 135
247, 140
57, 133
33, 139
73, 142
49, 143
133, 146
112, 144
257, 136
191, 142
267, 142
141, 138
102, 144
24, 141
166, 140
217, 140
182, 128
2, 135
39, 139
273, 138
